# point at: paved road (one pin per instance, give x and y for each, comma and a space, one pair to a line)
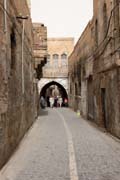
62, 146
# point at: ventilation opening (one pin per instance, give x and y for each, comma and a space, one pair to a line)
13, 49
54, 89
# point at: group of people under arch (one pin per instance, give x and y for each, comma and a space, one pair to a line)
53, 101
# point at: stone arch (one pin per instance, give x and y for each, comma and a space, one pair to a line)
63, 82
46, 86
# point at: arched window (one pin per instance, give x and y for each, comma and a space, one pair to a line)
55, 60
96, 32
48, 61
104, 19
64, 59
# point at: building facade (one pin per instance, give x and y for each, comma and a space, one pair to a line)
96, 68
59, 50
17, 86
56, 68
77, 76
39, 47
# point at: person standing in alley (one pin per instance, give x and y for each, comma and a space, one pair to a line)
66, 102
60, 100
42, 102
51, 99
56, 101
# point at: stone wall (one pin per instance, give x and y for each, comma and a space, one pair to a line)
94, 76
106, 68
77, 66
17, 87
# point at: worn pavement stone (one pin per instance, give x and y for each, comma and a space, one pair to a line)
43, 153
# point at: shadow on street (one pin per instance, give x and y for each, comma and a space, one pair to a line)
43, 112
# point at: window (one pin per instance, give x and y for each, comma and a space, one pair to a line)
55, 60
64, 59
48, 61
104, 19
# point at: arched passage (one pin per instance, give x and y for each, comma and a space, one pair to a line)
51, 84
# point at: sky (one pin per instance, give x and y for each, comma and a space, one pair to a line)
63, 18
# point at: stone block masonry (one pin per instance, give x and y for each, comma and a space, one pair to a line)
94, 68
17, 88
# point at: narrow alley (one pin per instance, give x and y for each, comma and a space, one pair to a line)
62, 146
60, 90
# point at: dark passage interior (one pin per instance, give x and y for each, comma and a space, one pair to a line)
53, 89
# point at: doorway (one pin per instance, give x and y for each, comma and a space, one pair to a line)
90, 99
103, 103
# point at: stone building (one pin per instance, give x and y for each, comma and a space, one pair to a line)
55, 72
17, 87
77, 77
40, 47
57, 60
96, 72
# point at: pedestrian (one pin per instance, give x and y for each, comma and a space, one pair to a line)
51, 99
66, 102
60, 100
56, 101
42, 102
48, 101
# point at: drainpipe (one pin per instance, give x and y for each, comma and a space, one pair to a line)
23, 35
5, 16
23, 18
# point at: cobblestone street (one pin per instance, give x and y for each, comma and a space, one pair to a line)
62, 146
